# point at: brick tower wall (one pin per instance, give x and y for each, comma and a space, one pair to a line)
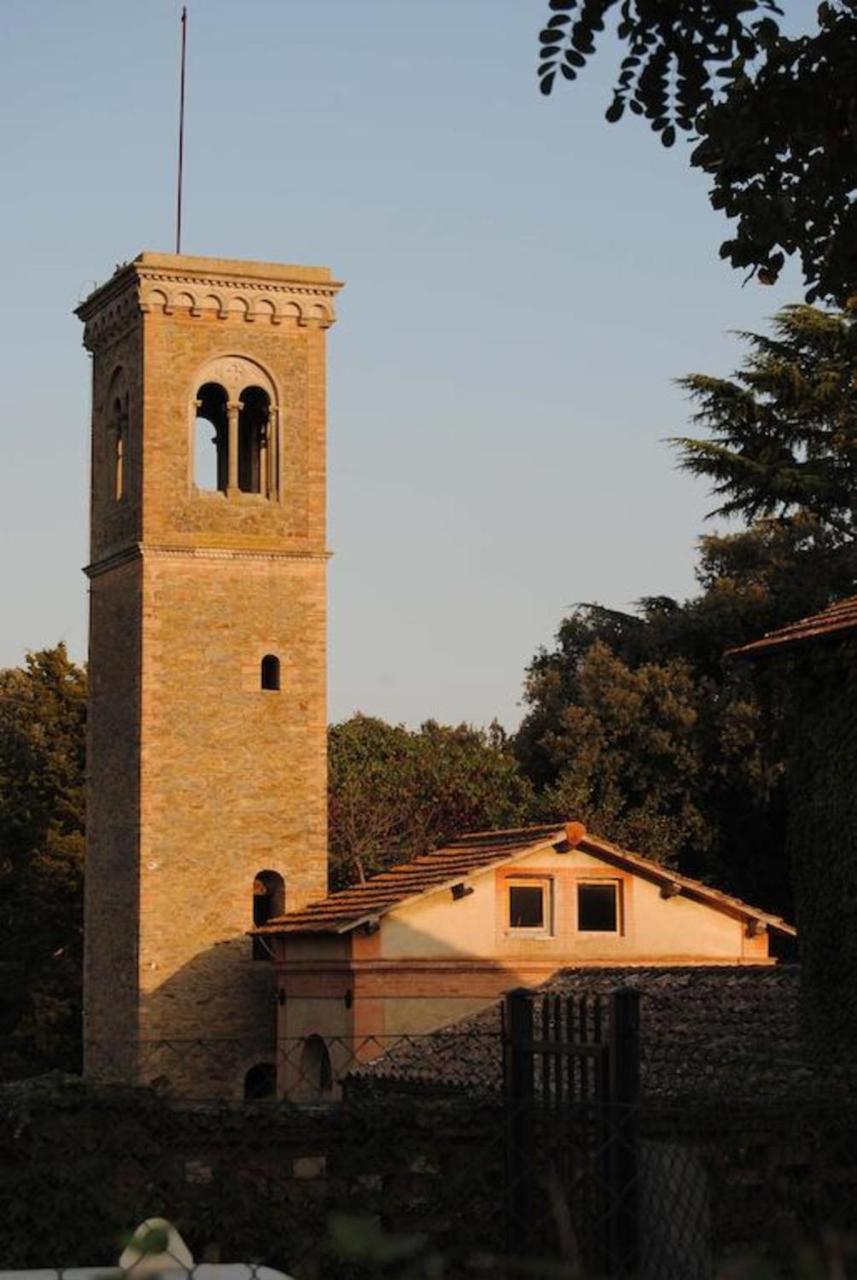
199, 778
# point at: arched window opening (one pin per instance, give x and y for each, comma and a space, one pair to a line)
211, 451
260, 1082
253, 434
270, 672
269, 902
120, 431
316, 1073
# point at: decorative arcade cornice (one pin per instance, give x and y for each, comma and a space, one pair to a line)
168, 284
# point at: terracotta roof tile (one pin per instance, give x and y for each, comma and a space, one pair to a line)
340, 912
833, 623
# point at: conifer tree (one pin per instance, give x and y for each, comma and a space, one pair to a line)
42, 750
783, 430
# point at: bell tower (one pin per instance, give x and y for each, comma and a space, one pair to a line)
207, 726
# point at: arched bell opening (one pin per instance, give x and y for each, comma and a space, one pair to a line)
211, 438
253, 441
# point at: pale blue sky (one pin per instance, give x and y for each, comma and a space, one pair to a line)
523, 282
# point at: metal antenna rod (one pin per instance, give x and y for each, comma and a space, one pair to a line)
181, 135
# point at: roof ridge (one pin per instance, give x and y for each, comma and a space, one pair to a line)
835, 618
669, 873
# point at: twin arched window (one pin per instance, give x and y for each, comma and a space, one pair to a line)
235, 430
233, 447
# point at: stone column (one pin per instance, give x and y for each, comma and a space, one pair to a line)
233, 408
272, 434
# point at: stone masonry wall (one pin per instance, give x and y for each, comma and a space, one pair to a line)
233, 779
113, 818
199, 779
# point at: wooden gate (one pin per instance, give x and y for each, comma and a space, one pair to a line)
571, 1076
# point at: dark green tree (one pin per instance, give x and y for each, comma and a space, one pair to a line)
775, 117
625, 756
782, 432
42, 722
714, 796
395, 793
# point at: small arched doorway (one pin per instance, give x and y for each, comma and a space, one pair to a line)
269, 902
260, 1082
315, 1071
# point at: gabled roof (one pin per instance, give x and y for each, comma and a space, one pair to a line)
836, 622
468, 855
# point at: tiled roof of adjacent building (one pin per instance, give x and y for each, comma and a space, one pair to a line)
469, 854
707, 1033
836, 622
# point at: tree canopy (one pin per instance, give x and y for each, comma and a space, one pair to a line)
634, 724
783, 430
42, 721
775, 117
395, 793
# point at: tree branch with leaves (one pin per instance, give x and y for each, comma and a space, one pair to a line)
774, 117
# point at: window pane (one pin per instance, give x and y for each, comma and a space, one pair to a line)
527, 906
596, 907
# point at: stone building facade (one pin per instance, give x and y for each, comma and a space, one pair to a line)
428, 943
207, 727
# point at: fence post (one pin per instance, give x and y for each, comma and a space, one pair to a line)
518, 1078
624, 1108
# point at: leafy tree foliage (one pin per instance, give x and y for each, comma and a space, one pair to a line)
42, 719
394, 793
675, 51
636, 727
781, 147
624, 754
775, 117
634, 723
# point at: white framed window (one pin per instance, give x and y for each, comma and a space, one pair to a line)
599, 906
530, 906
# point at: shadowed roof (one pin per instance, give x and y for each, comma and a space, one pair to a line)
706, 1032
836, 622
469, 854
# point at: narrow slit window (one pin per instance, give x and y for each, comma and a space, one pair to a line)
120, 420
119, 472
270, 673
598, 908
529, 907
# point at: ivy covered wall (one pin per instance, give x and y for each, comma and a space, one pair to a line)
822, 843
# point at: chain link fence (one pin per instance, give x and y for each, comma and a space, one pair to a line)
413, 1157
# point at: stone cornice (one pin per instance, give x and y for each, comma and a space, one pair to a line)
166, 284
140, 551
